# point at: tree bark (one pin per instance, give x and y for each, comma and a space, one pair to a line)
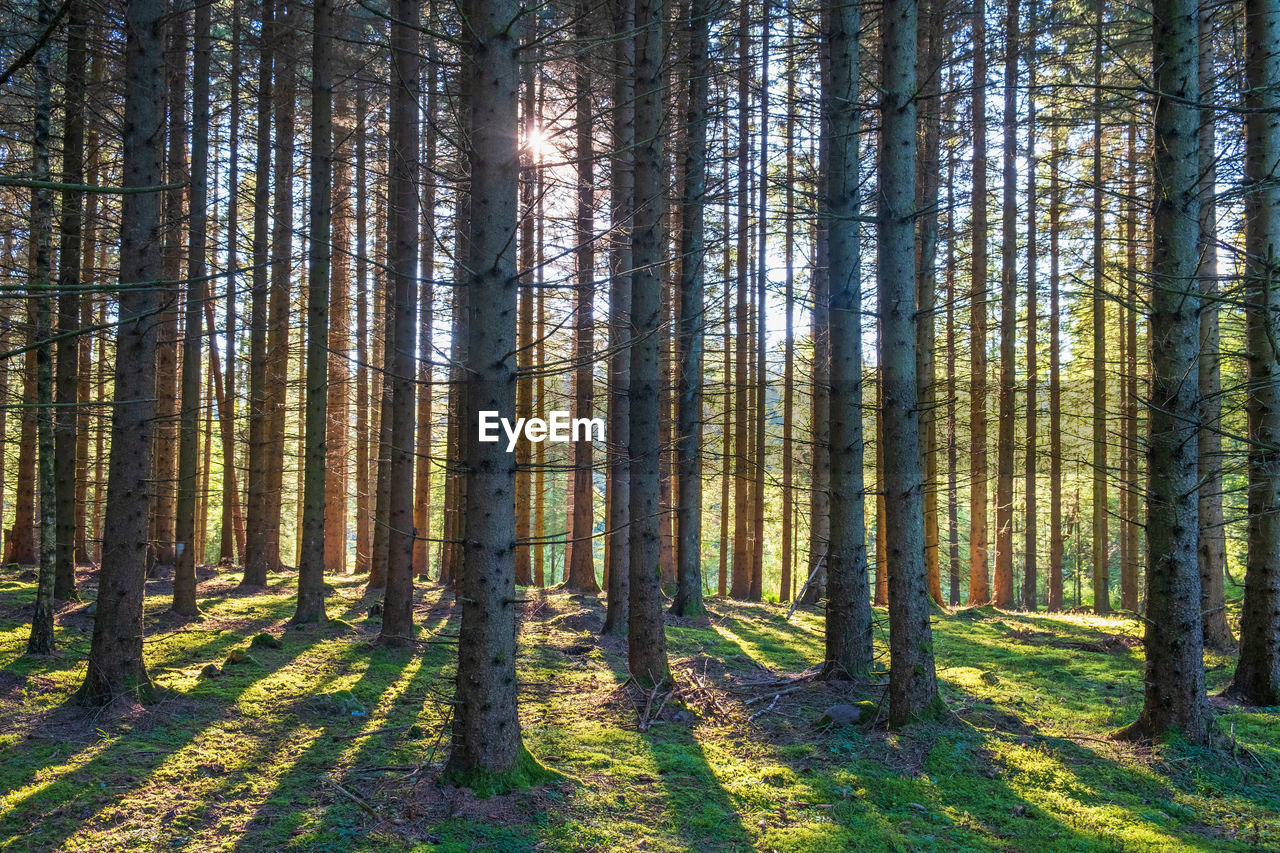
646, 641
116, 665
1055, 378
185, 556
40, 283
486, 732
257, 560
1257, 676
848, 616
580, 564
913, 688
402, 262
691, 331
1003, 581
66, 426
979, 590
1174, 697
1213, 539
621, 205
1101, 573
311, 562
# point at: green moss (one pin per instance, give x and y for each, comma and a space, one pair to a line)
265, 640
528, 773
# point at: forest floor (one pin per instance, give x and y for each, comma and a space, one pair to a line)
320, 740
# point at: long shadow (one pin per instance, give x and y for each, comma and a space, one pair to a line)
132, 757
298, 788
160, 653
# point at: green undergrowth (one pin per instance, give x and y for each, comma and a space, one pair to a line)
265, 736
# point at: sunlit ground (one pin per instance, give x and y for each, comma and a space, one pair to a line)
329, 742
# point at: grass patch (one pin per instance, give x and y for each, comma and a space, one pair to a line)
319, 739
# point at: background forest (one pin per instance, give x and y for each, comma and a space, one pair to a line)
938, 505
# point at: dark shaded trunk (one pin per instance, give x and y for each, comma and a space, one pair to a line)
67, 474
311, 553
1257, 676
646, 641
691, 331
402, 263
487, 750
116, 665
256, 559
185, 556
40, 287
621, 204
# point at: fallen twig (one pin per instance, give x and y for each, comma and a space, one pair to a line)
359, 801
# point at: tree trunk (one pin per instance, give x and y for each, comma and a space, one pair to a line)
1055, 378
787, 585
740, 575
402, 269
621, 205
1030, 596
426, 354
278, 309
231, 541
820, 416
256, 560
116, 665
168, 413
1174, 699
20, 544
487, 751
692, 254
311, 555
848, 616
979, 590
66, 427
928, 81
646, 641
40, 641
1003, 585
524, 333
185, 556
364, 515
338, 394
760, 461
953, 449
1257, 677
1101, 576
913, 688
1213, 539
580, 563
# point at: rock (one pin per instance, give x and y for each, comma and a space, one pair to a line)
210, 671
842, 714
